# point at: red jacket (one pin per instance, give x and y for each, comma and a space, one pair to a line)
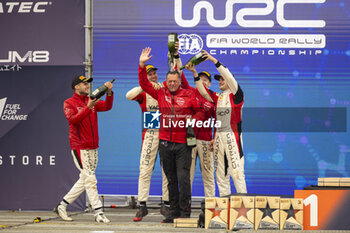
204, 134
174, 108
83, 129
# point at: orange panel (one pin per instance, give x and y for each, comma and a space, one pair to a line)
322, 203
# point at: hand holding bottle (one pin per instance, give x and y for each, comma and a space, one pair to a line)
145, 56
191, 68
209, 57
109, 85
92, 102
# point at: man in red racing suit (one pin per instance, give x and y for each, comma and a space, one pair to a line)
176, 105
81, 113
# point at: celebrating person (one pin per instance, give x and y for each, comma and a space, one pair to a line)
81, 113
228, 138
149, 150
176, 105
202, 151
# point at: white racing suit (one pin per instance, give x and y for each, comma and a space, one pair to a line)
206, 164
86, 162
150, 146
201, 151
228, 149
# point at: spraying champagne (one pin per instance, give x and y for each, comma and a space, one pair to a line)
195, 60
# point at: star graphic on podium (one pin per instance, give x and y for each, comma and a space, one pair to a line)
267, 211
291, 212
216, 211
242, 211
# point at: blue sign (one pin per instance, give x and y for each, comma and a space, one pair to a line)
151, 120
286, 55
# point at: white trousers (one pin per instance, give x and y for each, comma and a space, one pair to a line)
86, 162
207, 166
148, 157
225, 145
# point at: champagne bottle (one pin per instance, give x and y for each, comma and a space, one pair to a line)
191, 137
100, 91
172, 39
195, 60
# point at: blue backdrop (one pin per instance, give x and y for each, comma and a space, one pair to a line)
305, 65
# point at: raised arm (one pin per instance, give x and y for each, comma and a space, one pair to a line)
177, 59
134, 93
207, 94
224, 72
178, 64
227, 75
145, 84
184, 82
105, 105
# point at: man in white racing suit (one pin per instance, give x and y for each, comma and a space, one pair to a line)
149, 150
228, 149
203, 135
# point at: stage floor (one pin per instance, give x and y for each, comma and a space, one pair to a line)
121, 221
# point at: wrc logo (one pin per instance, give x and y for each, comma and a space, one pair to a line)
241, 13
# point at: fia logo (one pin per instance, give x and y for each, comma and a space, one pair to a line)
151, 120
190, 44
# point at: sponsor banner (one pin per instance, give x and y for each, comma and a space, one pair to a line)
240, 16
35, 159
41, 33
10, 111
291, 59
42, 48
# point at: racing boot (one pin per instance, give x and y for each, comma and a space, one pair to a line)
141, 212
61, 211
